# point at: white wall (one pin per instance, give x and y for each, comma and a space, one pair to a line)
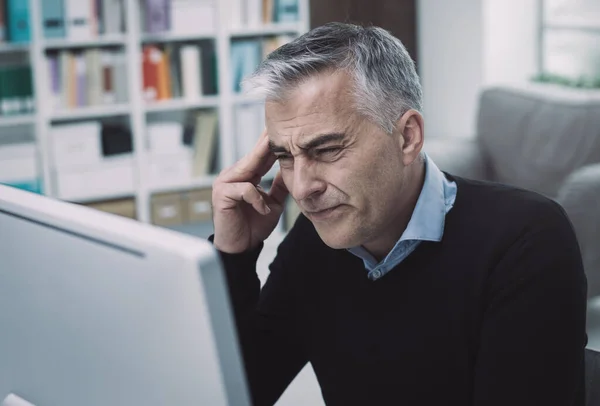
464, 45
450, 62
510, 40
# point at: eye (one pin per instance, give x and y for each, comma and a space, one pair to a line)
283, 157
327, 152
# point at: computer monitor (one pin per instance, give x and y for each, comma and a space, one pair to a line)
99, 310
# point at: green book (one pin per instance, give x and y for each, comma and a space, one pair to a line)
28, 89
12, 82
2, 90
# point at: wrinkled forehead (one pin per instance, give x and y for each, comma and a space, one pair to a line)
320, 104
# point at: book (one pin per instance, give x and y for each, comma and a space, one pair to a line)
190, 72
286, 11
112, 16
204, 143
17, 15
150, 59
78, 19
157, 15
53, 18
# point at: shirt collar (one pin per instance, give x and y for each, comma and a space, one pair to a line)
427, 220
428, 217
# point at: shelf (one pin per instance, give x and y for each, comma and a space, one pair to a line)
23, 119
176, 37
7, 47
198, 183
265, 30
576, 23
91, 112
181, 104
102, 41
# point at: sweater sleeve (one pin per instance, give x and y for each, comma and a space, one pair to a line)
533, 337
266, 324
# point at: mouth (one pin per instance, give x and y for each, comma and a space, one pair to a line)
322, 214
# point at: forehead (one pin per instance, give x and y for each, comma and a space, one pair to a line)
323, 100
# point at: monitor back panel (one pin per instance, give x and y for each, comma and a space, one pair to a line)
88, 320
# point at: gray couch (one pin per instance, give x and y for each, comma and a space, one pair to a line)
540, 137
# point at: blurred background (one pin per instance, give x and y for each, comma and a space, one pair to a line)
133, 106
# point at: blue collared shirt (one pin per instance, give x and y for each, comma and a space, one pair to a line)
426, 223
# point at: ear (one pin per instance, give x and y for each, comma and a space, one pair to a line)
411, 135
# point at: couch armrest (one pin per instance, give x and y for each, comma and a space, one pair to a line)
460, 157
580, 197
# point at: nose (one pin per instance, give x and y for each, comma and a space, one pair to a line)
306, 180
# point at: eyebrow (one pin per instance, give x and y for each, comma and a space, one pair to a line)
312, 144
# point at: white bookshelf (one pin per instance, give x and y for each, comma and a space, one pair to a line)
101, 41
175, 37
9, 48
17, 120
182, 104
137, 111
90, 112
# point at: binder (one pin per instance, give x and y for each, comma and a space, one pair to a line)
209, 69
286, 11
17, 14
53, 66
94, 76
79, 15
190, 71
81, 80
158, 16
2, 21
151, 58
53, 18
120, 76
112, 16
255, 13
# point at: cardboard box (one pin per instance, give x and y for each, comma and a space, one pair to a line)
198, 206
166, 209
121, 207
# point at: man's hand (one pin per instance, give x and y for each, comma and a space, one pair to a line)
244, 214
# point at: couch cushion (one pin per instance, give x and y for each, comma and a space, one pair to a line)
535, 135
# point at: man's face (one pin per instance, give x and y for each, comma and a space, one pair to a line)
345, 173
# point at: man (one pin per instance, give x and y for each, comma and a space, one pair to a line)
401, 284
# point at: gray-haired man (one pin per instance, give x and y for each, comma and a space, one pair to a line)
400, 283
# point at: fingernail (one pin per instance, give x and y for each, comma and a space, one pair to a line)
267, 209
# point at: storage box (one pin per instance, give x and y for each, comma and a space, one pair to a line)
112, 177
166, 209
165, 138
121, 207
76, 145
170, 171
18, 166
198, 206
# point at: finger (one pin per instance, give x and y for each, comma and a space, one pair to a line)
255, 164
246, 192
278, 191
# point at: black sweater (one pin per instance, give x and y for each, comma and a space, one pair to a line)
494, 314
